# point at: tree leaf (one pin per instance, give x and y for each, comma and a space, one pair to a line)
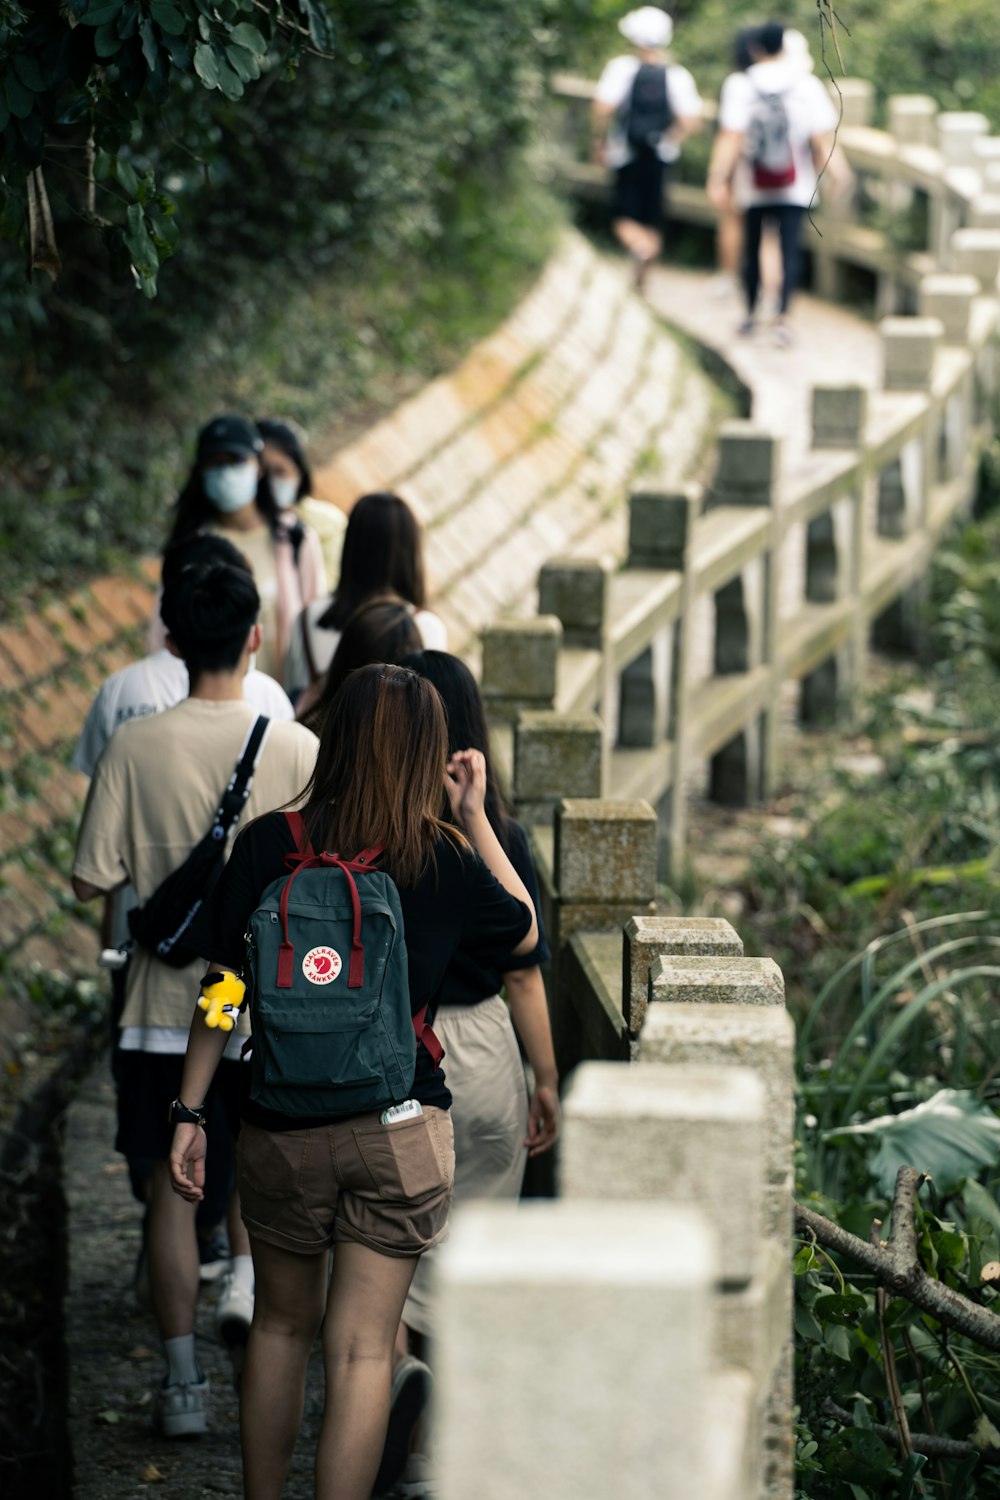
107, 41
950, 1136
230, 81
20, 101
99, 12
243, 63
126, 176
245, 35
29, 73
206, 65
149, 48
167, 17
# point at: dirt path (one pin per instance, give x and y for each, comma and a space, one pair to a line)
114, 1350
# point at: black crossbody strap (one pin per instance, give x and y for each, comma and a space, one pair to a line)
236, 793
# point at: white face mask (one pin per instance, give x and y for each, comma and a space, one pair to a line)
284, 490
231, 487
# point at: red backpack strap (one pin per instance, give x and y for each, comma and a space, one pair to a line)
425, 1033
286, 952
296, 823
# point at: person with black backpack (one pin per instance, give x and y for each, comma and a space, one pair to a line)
644, 106
341, 923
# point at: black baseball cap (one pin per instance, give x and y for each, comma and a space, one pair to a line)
229, 434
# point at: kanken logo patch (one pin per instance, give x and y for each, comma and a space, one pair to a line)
322, 965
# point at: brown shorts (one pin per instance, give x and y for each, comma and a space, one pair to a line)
385, 1186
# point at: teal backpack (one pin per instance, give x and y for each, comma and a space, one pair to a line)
329, 989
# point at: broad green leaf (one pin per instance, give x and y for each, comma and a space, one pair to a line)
843, 1309
206, 65
950, 1136
245, 35
29, 72
167, 17
806, 1325
20, 101
126, 176
837, 1340
230, 81
137, 237
107, 41
149, 48
243, 63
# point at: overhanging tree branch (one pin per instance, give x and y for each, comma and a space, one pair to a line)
895, 1264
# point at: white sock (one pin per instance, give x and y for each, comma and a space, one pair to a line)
182, 1366
241, 1270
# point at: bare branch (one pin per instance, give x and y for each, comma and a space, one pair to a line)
894, 1263
927, 1443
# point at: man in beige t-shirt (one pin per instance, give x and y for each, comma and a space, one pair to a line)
152, 798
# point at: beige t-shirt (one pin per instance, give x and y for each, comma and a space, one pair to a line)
257, 546
152, 798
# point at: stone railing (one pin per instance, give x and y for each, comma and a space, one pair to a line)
628, 682
930, 176
635, 1335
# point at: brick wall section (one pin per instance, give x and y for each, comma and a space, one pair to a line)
51, 664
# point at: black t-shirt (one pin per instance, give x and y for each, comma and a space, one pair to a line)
473, 976
460, 904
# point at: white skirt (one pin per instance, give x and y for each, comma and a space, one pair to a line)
483, 1069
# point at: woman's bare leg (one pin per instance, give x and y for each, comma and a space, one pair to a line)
363, 1313
290, 1298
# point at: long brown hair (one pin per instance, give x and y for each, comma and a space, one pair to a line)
379, 771
382, 629
382, 550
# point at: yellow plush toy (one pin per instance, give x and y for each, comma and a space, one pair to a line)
221, 999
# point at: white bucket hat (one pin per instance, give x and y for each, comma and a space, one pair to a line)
796, 49
647, 27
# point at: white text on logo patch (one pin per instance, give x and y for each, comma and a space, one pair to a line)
321, 965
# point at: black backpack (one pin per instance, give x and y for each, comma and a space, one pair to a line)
648, 111
160, 923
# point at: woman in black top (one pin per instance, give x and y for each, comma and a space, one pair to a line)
379, 1191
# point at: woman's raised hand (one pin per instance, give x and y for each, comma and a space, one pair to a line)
465, 783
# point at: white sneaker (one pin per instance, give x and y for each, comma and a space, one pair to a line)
415, 1482
234, 1314
180, 1409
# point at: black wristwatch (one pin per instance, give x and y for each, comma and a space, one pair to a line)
180, 1114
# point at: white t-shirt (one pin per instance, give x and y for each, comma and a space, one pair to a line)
148, 687
810, 113
323, 643
614, 87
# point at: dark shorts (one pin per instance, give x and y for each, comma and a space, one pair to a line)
385, 1186
149, 1082
639, 190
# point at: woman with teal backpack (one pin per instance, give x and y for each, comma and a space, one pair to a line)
377, 1188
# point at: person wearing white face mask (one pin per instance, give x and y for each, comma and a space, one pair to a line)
229, 492
284, 458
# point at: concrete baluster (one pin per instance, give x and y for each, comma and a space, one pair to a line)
713, 1012
694, 1137
835, 551
604, 871
976, 252
985, 211
520, 660
659, 527
949, 298
747, 473
555, 756
645, 939
909, 347
958, 131
912, 119
575, 590
855, 98
573, 1354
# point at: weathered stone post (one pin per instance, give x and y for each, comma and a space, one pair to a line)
858, 96
604, 869
949, 298
555, 755
724, 1012
646, 939
747, 473
574, 1355
958, 131
976, 252
654, 689
834, 552
912, 119
520, 661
